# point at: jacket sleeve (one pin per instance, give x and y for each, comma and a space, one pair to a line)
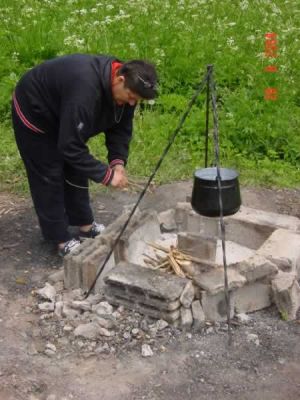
74, 128
117, 139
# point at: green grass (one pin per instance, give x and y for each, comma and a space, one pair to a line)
259, 138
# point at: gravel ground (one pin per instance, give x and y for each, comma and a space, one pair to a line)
42, 359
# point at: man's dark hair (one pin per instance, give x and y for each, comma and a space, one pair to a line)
140, 77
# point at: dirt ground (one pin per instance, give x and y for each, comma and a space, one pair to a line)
190, 366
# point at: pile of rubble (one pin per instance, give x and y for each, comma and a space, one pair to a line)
93, 326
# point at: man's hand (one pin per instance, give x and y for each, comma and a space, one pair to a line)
119, 179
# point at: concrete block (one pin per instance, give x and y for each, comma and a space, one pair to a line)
214, 306
253, 297
283, 248
187, 295
181, 211
213, 281
187, 220
139, 279
286, 292
198, 245
112, 231
91, 265
265, 218
167, 221
72, 273
205, 225
186, 318
246, 233
169, 316
133, 242
255, 268
198, 316
122, 292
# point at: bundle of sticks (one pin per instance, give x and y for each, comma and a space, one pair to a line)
171, 260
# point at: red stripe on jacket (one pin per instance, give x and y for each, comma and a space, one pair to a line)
23, 118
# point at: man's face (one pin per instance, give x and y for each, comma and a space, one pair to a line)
123, 95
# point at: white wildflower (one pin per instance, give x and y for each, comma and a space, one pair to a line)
230, 42
133, 46
244, 5
251, 38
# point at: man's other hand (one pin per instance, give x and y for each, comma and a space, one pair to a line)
119, 179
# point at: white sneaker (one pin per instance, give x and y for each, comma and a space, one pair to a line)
69, 247
95, 230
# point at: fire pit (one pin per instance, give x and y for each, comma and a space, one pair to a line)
169, 265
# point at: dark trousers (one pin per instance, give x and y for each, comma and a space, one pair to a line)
57, 203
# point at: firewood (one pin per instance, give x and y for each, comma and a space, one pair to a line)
175, 266
158, 247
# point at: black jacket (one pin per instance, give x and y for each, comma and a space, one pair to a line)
70, 98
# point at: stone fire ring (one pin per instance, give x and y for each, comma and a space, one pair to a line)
263, 257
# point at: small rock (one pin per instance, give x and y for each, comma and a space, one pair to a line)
69, 312
58, 309
126, 335
46, 316
161, 324
186, 318
48, 307
56, 276
135, 332
252, 337
94, 299
153, 331
32, 351
87, 331
116, 314
81, 305
49, 353
120, 309
210, 330
51, 346
105, 332
243, 318
68, 328
59, 287
144, 325
187, 295
103, 349
103, 308
105, 322
48, 292
146, 350
198, 316
77, 294
51, 397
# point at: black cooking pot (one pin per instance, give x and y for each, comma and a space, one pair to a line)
205, 196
